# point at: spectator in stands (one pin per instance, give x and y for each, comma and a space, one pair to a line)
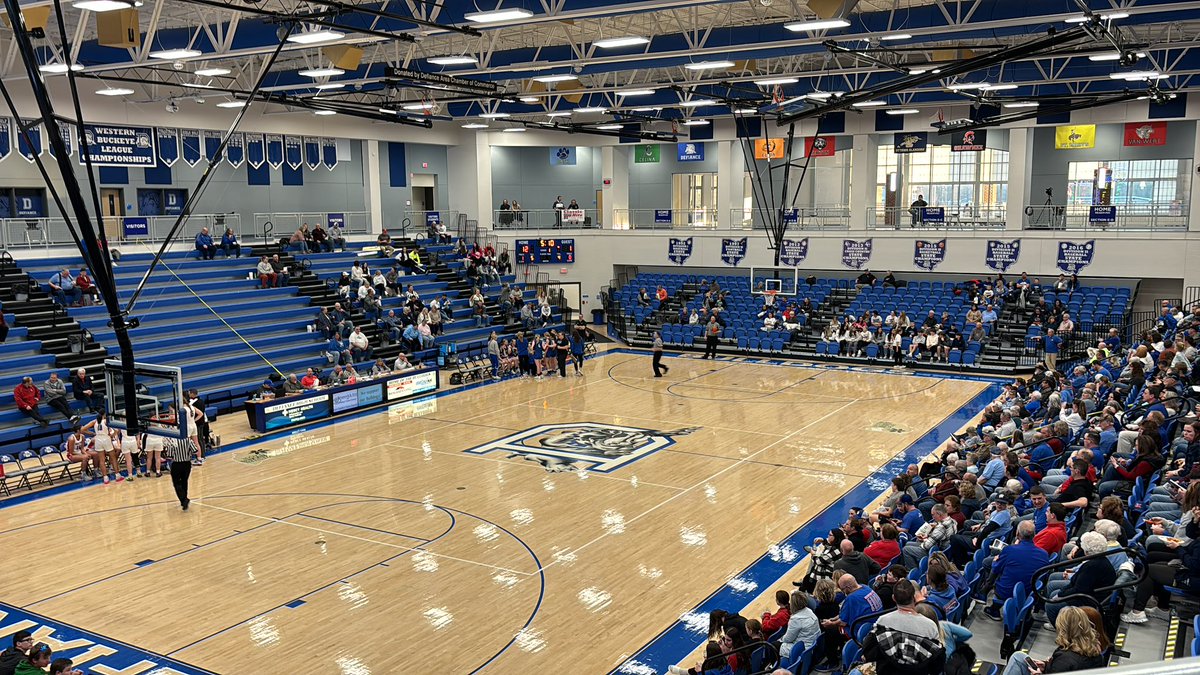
393, 326
1053, 536
83, 390
360, 347
63, 288
1079, 646
281, 270
341, 319
988, 318
337, 238
292, 386
859, 601
997, 523
903, 641
1077, 491
87, 289
56, 397
855, 563
266, 274
938, 592
36, 661
63, 667
229, 243
932, 534
1014, 564
320, 239
310, 379
402, 363
1122, 472
803, 627
22, 641
1088, 577
773, 621
1163, 573
204, 245
916, 210
27, 396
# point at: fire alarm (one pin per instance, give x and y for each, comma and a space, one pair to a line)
424, 165
607, 182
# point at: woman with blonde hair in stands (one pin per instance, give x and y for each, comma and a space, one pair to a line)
104, 454
1079, 648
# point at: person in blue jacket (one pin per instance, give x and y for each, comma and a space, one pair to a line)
204, 244
229, 242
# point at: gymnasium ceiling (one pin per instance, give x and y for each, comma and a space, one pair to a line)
560, 38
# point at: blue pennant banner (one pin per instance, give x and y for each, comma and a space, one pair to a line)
274, 150
65, 131
293, 151
733, 251
1002, 255
29, 142
856, 254
6, 132
235, 150
256, 151
168, 145
189, 140
312, 152
679, 250
792, 252
329, 153
212, 143
927, 255
1073, 257
111, 145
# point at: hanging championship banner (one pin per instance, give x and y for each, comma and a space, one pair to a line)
235, 150
1002, 255
1073, 257
969, 141
274, 144
256, 150
212, 143
927, 255
679, 250
109, 145
733, 251
293, 152
66, 138
913, 141
29, 142
856, 254
769, 148
1075, 137
793, 252
819, 146
312, 152
6, 131
1141, 134
168, 145
189, 141
329, 153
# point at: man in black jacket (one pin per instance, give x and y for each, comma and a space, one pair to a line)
22, 640
856, 564
83, 390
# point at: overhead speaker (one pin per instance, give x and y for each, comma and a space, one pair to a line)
36, 19
942, 55
346, 57
832, 9
570, 86
119, 28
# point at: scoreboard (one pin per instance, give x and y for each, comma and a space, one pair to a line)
548, 251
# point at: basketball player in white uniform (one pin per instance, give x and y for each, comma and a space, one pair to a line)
102, 447
130, 447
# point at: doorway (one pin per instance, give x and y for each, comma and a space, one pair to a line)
112, 209
424, 192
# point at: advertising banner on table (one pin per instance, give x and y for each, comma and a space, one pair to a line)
648, 154
856, 254
1075, 137
417, 383
819, 146
256, 150
933, 214
912, 141
312, 152
274, 144
333, 220
562, 156
329, 153
235, 150
691, 152
679, 250
969, 141
1002, 255
1141, 134
792, 252
574, 216
1102, 214
927, 255
29, 142
296, 410
168, 145
136, 226
212, 143
65, 131
189, 142
768, 148
1073, 257
733, 251
6, 132
109, 145
293, 152
662, 216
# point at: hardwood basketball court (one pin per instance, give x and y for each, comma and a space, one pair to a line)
420, 538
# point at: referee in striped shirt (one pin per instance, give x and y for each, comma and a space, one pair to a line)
179, 451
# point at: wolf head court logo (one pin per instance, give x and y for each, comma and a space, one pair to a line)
590, 446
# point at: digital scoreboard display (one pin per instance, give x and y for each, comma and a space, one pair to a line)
545, 251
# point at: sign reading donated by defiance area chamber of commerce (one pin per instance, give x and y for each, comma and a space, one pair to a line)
109, 145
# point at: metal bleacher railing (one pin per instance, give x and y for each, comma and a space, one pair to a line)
1130, 217
945, 218
17, 233
284, 224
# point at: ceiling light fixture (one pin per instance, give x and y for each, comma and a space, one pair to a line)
453, 60
697, 103
389, 111
114, 91
629, 41
635, 92
1135, 75
530, 99
560, 113
695, 123
647, 109
745, 111
419, 106
999, 87
318, 36
1022, 104
917, 71
321, 72
1082, 18
823, 95
325, 113
231, 104
475, 125
818, 24
495, 115
498, 15
551, 79
59, 67
964, 86
329, 85
869, 104
776, 80
514, 130
173, 54
590, 110
709, 65
904, 111
104, 5
896, 36
197, 85
609, 127
212, 72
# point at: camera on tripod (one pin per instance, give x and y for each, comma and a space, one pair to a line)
1049, 192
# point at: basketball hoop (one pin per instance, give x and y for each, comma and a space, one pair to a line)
770, 292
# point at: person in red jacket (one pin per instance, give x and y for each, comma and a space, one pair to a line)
884, 550
27, 395
1054, 535
773, 622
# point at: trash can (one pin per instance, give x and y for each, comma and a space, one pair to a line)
598, 317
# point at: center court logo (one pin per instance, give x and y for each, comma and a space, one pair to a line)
590, 446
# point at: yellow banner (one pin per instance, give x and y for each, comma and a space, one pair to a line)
768, 148
1075, 137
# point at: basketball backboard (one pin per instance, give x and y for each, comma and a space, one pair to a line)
159, 391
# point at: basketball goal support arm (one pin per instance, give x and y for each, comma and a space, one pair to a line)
90, 241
